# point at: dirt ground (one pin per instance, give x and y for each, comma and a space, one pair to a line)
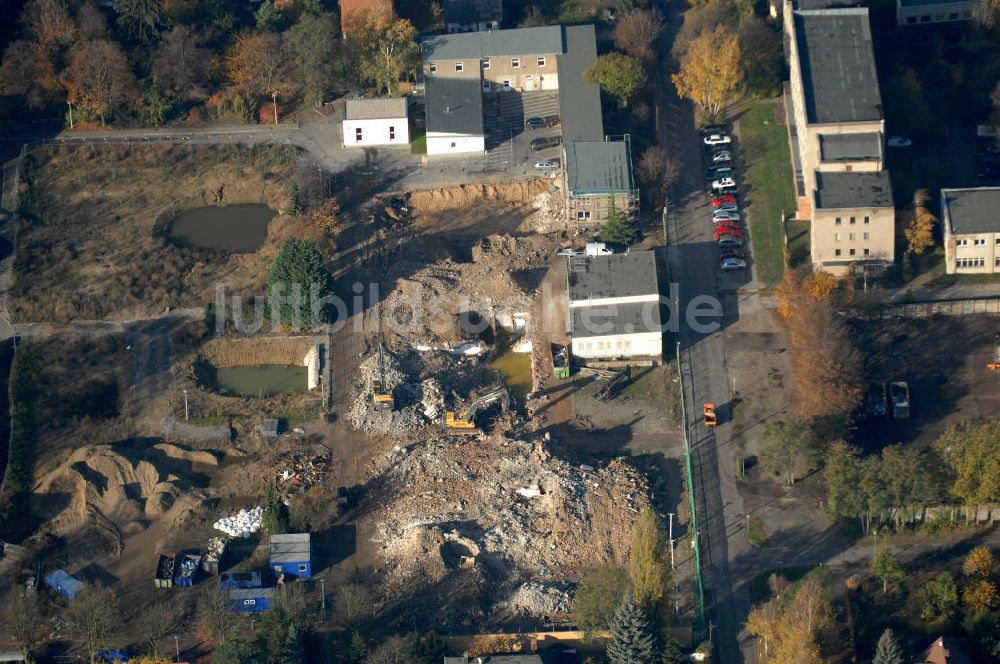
95, 244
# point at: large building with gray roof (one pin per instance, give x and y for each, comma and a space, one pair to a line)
971, 221
836, 131
598, 174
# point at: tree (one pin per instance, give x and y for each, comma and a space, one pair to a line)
979, 563
616, 229
671, 652
619, 75
352, 604
598, 597
789, 449
215, 619
293, 652
887, 650
787, 627
886, 567
142, 19
704, 17
394, 650
98, 78
980, 596
972, 452
49, 23
987, 14
266, 18
386, 46
843, 476
93, 615
761, 51
428, 648
256, 65
636, 33
647, 562
298, 283
312, 45
233, 651
91, 22
181, 62
27, 71
155, 623
632, 640
24, 618
920, 230
357, 650
711, 70
939, 599
657, 171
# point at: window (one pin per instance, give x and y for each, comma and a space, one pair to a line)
867, 251
506, 83
939, 17
303, 568
486, 85
836, 252
486, 63
979, 242
434, 67
866, 236
249, 602
962, 243
541, 62
998, 240
854, 220
911, 19
453, 144
837, 221
854, 251
357, 134
515, 63
953, 16
459, 66
998, 261
583, 214
848, 167
836, 237
850, 236
392, 133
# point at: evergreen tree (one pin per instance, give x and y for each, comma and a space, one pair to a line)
295, 205
632, 639
428, 649
887, 651
268, 19
358, 649
297, 283
293, 652
671, 653
616, 229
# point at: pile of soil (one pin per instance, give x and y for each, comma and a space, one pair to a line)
512, 193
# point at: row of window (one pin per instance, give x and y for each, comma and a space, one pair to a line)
976, 242
620, 346
850, 236
357, 134
515, 63
926, 18
972, 262
853, 252
838, 221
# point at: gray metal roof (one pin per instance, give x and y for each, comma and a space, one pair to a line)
617, 275
604, 320
388, 108
836, 191
454, 105
838, 65
472, 11
547, 40
289, 548
579, 101
250, 593
975, 210
598, 167
850, 147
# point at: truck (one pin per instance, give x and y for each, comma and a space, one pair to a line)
899, 395
164, 571
187, 569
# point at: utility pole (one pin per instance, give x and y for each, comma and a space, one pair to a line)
322, 597
711, 628
70, 104
177, 647
671, 537
274, 100
185, 404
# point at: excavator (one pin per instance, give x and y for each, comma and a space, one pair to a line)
465, 422
382, 397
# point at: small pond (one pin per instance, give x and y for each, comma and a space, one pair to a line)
516, 371
261, 381
239, 228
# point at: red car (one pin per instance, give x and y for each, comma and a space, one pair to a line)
724, 199
724, 226
726, 231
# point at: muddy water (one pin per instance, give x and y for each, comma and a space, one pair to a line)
516, 371
261, 381
238, 228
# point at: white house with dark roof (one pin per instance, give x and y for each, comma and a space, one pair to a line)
614, 309
971, 221
369, 122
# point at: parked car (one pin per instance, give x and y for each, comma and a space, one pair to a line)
728, 231
544, 143
727, 191
733, 207
724, 199
730, 263
725, 216
547, 163
721, 158
534, 123
552, 121
727, 241
716, 173
713, 129
899, 142
717, 139
723, 183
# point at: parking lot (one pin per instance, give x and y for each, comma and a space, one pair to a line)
508, 141
726, 207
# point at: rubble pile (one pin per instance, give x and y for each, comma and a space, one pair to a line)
402, 420
297, 473
538, 599
548, 214
242, 524
508, 505
213, 554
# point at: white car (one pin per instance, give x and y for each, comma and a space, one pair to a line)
721, 157
547, 163
899, 142
725, 216
717, 139
723, 183
731, 263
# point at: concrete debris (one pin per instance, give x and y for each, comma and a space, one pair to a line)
548, 214
577, 519
538, 600
404, 419
242, 524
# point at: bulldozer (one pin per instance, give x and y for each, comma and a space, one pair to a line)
465, 421
382, 398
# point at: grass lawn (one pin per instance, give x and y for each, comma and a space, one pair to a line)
769, 182
798, 241
418, 141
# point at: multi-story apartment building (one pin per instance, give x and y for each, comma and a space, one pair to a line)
971, 221
837, 137
598, 174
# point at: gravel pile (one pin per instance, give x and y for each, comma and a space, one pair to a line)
538, 599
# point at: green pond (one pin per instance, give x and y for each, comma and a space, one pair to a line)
261, 381
516, 371
239, 228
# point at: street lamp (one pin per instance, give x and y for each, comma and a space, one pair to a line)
185, 405
274, 100
70, 104
177, 647
322, 597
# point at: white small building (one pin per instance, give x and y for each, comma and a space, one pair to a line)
454, 108
615, 309
971, 230
369, 122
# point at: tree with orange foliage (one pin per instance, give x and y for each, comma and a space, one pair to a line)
386, 46
99, 79
29, 66
256, 65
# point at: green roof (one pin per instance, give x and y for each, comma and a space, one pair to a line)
546, 40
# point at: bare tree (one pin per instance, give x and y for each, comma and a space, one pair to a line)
28, 72
216, 619
181, 62
636, 33
156, 622
353, 603
49, 22
91, 21
93, 615
657, 171
394, 650
23, 616
291, 599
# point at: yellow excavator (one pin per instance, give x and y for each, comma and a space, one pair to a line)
465, 422
382, 397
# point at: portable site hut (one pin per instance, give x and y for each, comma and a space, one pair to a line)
63, 583
291, 555
249, 600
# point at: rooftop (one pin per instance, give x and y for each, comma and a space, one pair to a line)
579, 101
853, 190
931, 3
497, 659
374, 109
850, 147
944, 651
838, 65
614, 276
472, 11
547, 40
598, 166
454, 105
249, 593
975, 210
289, 548
607, 319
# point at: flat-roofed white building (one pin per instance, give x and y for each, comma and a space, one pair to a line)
971, 220
369, 122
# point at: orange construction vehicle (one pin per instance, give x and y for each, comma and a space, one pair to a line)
709, 411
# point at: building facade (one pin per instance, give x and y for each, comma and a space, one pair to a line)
369, 122
837, 137
971, 221
291, 555
472, 15
924, 12
597, 176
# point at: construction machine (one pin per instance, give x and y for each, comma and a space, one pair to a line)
708, 410
614, 385
995, 364
382, 397
465, 422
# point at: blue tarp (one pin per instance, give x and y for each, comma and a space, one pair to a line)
63, 583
